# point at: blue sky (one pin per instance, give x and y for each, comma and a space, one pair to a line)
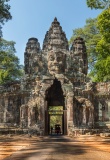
32, 18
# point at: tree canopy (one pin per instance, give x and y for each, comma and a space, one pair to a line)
10, 69
98, 4
101, 70
5, 14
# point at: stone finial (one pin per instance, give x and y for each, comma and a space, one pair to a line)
55, 19
55, 38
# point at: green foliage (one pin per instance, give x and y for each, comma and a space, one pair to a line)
101, 70
103, 48
55, 108
10, 69
55, 119
90, 33
55, 115
98, 4
4, 11
5, 15
104, 24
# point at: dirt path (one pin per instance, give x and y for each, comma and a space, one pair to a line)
10, 145
62, 148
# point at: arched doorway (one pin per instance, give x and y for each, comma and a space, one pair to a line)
56, 113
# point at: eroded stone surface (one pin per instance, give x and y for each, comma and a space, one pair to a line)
55, 76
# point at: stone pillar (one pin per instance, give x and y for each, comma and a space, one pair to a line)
84, 115
24, 116
42, 111
46, 119
109, 110
29, 117
70, 111
5, 110
91, 117
100, 111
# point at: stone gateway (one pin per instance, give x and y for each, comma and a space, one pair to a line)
55, 76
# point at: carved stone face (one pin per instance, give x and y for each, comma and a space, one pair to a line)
78, 48
56, 62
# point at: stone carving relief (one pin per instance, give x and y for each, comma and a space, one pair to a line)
84, 112
33, 57
56, 62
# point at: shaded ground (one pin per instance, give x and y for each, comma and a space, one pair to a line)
9, 145
54, 148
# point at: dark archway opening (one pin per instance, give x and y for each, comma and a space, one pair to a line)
55, 113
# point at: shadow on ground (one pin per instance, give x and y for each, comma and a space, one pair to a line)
47, 145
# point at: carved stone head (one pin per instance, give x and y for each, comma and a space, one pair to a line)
78, 46
78, 49
56, 62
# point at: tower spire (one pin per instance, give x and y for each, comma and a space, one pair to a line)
55, 38
55, 19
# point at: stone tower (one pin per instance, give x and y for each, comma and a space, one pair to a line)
32, 56
61, 77
55, 77
79, 53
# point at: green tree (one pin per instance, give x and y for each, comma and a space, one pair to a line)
104, 24
98, 4
90, 33
5, 14
10, 69
101, 70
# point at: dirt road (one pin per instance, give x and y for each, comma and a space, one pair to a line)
63, 148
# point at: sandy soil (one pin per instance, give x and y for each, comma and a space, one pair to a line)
9, 145
102, 143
